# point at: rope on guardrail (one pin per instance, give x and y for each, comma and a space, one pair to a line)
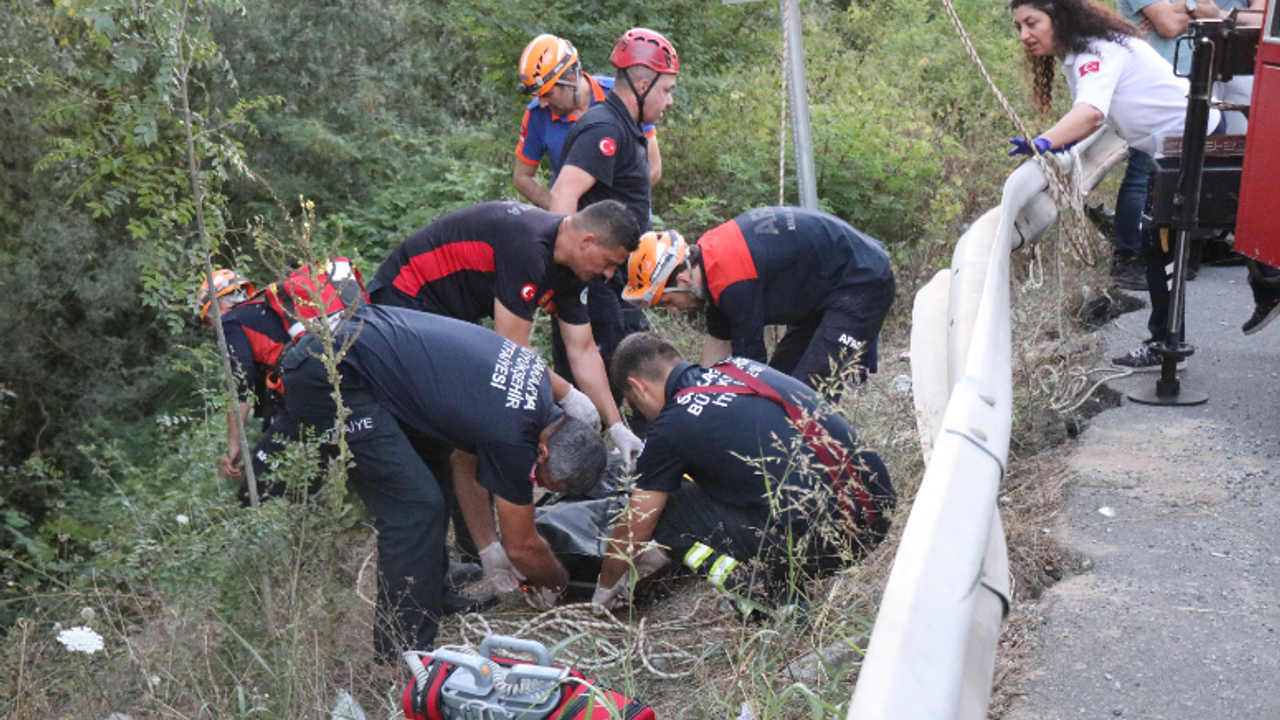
1063, 187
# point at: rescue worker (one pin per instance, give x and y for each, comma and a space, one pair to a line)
505, 260
551, 73
419, 385
777, 475
830, 284
256, 336
606, 156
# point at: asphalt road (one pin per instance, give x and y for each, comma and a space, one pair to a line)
1179, 510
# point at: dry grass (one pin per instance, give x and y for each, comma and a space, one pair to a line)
170, 659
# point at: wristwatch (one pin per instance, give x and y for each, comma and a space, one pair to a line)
1191, 7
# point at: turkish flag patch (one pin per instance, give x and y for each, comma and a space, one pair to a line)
1089, 67
608, 147
527, 292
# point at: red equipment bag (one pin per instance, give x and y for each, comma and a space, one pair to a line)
588, 700
302, 297
461, 686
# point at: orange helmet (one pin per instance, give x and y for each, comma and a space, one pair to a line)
651, 265
225, 282
641, 46
544, 62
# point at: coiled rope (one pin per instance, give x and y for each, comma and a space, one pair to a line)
594, 639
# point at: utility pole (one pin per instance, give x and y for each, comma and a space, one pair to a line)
798, 91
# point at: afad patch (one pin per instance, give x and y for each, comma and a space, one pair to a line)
527, 292
1089, 67
608, 147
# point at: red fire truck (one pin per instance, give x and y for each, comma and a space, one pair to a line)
1257, 221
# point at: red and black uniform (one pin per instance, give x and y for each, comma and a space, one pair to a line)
756, 480
461, 262
256, 338
830, 284
611, 147
419, 385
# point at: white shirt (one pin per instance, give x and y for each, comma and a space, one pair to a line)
1134, 88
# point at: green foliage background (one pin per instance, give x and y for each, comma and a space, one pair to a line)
386, 114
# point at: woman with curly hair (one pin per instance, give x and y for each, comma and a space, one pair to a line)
1116, 79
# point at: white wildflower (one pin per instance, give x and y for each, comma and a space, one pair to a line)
81, 639
182, 519
87, 614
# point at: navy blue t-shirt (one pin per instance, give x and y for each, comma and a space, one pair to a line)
777, 266
611, 147
735, 447
460, 384
460, 263
256, 336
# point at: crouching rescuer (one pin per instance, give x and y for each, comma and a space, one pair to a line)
418, 387
829, 283
256, 337
781, 490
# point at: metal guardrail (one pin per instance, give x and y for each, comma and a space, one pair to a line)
932, 651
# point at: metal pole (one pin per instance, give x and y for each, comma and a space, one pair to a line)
802, 139
1206, 39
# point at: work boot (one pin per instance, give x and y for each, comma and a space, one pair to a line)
1129, 272
455, 602
461, 573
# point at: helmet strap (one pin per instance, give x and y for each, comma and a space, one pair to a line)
577, 85
697, 274
626, 75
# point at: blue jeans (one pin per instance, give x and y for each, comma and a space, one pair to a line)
1130, 202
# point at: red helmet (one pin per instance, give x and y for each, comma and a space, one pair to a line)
641, 46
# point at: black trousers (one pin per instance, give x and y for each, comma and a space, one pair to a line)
786, 540
281, 431
404, 484
770, 549
846, 331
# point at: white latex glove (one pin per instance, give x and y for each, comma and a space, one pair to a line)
578, 406
653, 559
626, 442
498, 569
542, 598
614, 597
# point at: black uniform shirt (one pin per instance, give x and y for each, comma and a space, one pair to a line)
778, 265
713, 437
256, 335
459, 263
611, 147
460, 384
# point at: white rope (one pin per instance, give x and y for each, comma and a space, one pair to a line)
1035, 270
1068, 396
782, 128
360, 578
1064, 189
597, 639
